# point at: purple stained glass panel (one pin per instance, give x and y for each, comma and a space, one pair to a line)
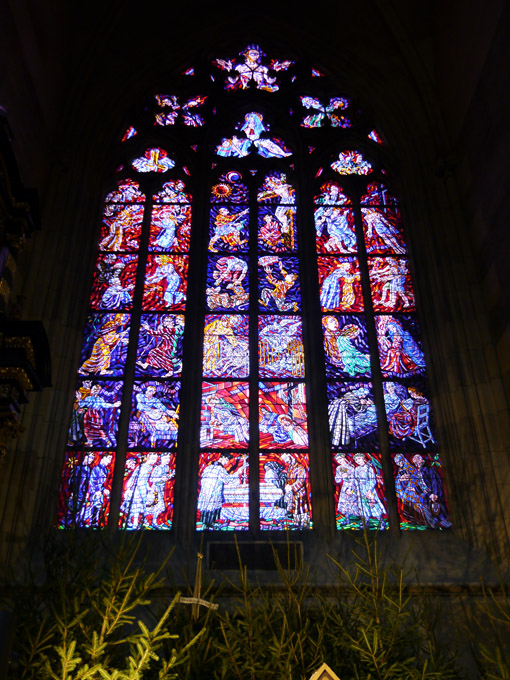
224, 417
95, 415
153, 422
230, 188
340, 284
226, 346
251, 69
335, 230
346, 346
282, 415
165, 282
400, 350
352, 416
159, 351
104, 346
360, 497
148, 490
409, 416
227, 283
383, 232
121, 228
228, 229
421, 497
170, 228
277, 228
391, 285
114, 282
281, 353
223, 491
284, 486
279, 284
84, 497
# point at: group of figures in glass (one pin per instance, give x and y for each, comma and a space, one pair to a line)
252, 243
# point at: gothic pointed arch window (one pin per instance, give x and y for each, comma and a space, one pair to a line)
252, 358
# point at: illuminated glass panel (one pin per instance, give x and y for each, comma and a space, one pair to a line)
279, 284
281, 352
227, 283
186, 109
154, 417
391, 286
121, 228
223, 491
419, 485
340, 284
231, 188
170, 228
84, 499
249, 70
409, 416
128, 191
383, 235
228, 229
285, 497
360, 498
165, 282
159, 351
148, 491
351, 163
325, 112
114, 282
352, 416
130, 132
153, 160
226, 346
282, 415
400, 350
105, 345
95, 414
252, 128
346, 346
225, 415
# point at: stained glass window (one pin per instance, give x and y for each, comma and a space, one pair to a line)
252, 352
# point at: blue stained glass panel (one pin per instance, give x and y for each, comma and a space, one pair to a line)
282, 415
170, 228
105, 345
400, 349
360, 497
421, 498
383, 232
223, 491
153, 422
277, 228
281, 353
352, 416
279, 284
114, 282
121, 228
346, 346
284, 486
159, 351
230, 188
335, 230
340, 284
148, 491
226, 346
95, 414
84, 498
228, 229
224, 417
227, 283
409, 416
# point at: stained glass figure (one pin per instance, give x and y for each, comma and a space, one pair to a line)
130, 132
165, 282
279, 284
276, 189
121, 228
148, 491
378, 194
409, 416
373, 135
399, 348
251, 70
128, 191
105, 345
153, 421
228, 229
351, 163
153, 160
172, 192
281, 352
227, 283
226, 346
84, 499
277, 229
335, 230
282, 415
324, 112
359, 491
170, 228
419, 485
224, 415
285, 498
223, 491
346, 346
114, 281
231, 188
352, 416
340, 284
95, 414
391, 286
159, 351
383, 235
187, 109
252, 128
